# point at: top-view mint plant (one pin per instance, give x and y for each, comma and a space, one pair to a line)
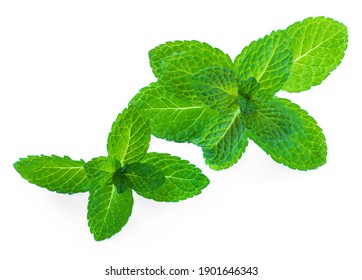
110, 180
205, 98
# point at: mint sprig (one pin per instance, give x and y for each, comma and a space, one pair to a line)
205, 98
237, 99
112, 179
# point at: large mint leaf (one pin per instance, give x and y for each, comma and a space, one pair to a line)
144, 178
268, 60
224, 140
268, 120
130, 136
161, 52
172, 118
319, 44
303, 147
101, 169
182, 179
108, 210
217, 87
57, 174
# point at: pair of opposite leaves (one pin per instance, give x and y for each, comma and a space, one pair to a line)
202, 97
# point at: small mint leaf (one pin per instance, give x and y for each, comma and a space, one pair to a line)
108, 210
182, 179
217, 87
319, 44
101, 170
130, 136
57, 174
246, 104
268, 60
121, 181
248, 87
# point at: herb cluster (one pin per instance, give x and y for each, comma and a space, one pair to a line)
205, 98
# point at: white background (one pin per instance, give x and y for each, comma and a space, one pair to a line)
67, 68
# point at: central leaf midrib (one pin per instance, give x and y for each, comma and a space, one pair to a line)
107, 208
312, 49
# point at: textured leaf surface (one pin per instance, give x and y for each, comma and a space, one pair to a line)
144, 178
57, 174
182, 179
319, 44
108, 210
249, 87
247, 105
130, 136
101, 169
177, 71
158, 54
303, 148
224, 140
269, 120
268, 60
248, 96
121, 181
172, 118
217, 87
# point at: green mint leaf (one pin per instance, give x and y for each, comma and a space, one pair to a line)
303, 148
108, 210
246, 105
319, 44
249, 87
224, 140
177, 71
217, 87
269, 120
170, 117
268, 60
57, 174
101, 170
248, 96
130, 136
160, 53
182, 179
144, 178
121, 181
